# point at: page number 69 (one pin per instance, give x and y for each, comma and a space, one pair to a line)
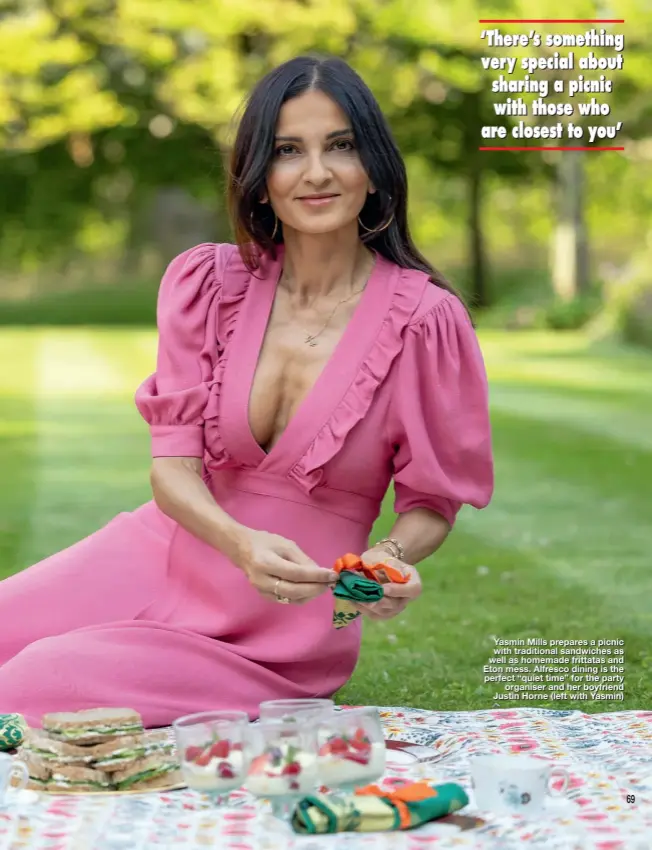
631, 798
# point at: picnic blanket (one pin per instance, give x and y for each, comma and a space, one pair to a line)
608, 806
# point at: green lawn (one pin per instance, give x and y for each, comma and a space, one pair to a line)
564, 551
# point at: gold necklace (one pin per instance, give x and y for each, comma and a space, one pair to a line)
311, 339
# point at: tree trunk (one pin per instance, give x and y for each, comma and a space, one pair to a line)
479, 292
570, 272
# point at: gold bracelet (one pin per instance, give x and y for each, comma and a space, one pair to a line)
398, 550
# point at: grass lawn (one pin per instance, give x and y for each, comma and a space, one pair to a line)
562, 552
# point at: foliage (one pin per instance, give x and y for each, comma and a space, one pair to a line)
132, 303
103, 103
627, 309
571, 315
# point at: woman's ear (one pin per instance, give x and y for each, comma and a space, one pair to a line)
372, 189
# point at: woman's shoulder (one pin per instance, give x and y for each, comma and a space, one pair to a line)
211, 255
229, 257
433, 298
206, 267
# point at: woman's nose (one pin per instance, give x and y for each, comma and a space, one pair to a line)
316, 171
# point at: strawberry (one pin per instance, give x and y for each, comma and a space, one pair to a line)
225, 771
337, 746
192, 753
203, 759
292, 769
360, 746
259, 764
220, 749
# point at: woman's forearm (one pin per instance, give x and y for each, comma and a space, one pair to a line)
421, 532
181, 494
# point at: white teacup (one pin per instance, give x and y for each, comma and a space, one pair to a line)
515, 784
8, 767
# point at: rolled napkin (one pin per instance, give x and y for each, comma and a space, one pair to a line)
359, 582
371, 809
12, 731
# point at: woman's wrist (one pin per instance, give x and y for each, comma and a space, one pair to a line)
393, 546
234, 541
378, 553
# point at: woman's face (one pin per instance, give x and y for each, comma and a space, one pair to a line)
315, 155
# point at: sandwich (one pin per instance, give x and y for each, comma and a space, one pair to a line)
49, 751
71, 777
154, 771
100, 749
39, 771
44, 776
93, 725
122, 753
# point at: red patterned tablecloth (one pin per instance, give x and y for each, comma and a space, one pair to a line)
608, 805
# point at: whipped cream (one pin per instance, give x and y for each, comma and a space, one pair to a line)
336, 770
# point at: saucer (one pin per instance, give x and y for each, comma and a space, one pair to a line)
552, 807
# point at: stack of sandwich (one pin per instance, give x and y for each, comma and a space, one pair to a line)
103, 749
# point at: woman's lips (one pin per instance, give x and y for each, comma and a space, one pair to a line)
318, 202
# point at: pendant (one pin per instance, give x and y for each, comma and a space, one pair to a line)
310, 340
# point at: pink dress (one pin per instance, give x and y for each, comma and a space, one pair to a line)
144, 615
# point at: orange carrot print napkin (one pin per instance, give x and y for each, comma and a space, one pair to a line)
359, 582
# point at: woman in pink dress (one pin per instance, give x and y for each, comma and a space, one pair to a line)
299, 372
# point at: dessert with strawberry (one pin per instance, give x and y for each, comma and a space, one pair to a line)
282, 771
348, 760
218, 765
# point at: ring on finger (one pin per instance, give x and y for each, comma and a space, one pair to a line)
282, 599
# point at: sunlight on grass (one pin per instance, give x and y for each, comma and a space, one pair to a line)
564, 360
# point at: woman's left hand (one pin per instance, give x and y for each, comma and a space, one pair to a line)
397, 596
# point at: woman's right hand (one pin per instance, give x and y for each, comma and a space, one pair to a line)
277, 567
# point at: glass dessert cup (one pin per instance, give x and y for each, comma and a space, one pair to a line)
213, 752
351, 749
289, 710
283, 766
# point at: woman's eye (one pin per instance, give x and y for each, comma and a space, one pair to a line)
341, 145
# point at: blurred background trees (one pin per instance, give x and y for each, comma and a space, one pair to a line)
115, 116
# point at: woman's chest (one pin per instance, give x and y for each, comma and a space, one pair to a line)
297, 349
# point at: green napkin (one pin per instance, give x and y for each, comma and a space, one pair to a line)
12, 731
351, 588
375, 811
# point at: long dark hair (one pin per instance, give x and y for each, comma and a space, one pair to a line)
254, 149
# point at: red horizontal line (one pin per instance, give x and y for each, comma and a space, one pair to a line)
568, 148
551, 21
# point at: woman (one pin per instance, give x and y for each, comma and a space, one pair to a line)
295, 380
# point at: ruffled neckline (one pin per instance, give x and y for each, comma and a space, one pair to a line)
344, 390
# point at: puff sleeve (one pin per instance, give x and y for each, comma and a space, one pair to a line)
439, 421
173, 399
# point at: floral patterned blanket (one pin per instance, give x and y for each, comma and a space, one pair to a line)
608, 805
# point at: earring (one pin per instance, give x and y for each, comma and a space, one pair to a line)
376, 229
251, 222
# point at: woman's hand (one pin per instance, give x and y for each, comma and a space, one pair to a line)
276, 567
397, 596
